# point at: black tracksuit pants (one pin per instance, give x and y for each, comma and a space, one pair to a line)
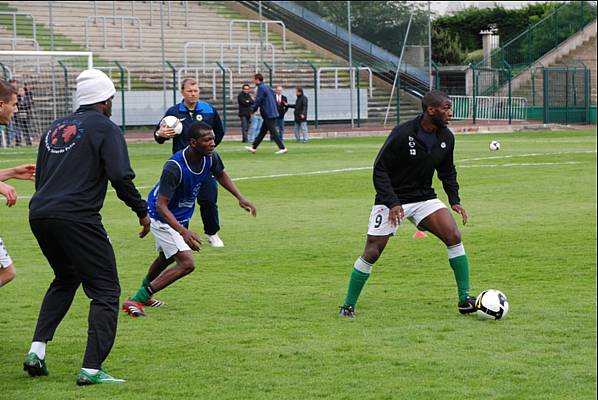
269, 125
79, 253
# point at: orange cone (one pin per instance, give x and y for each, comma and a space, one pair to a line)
419, 235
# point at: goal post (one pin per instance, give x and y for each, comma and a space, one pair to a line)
46, 85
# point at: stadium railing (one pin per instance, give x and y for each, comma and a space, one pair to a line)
335, 39
523, 51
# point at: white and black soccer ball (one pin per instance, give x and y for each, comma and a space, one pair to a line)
492, 304
494, 145
172, 122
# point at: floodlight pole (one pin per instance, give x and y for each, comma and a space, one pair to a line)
350, 64
430, 44
163, 56
392, 92
261, 35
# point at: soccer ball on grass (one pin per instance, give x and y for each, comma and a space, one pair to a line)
492, 304
494, 145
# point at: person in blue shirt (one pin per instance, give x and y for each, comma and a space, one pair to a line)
265, 100
171, 204
188, 111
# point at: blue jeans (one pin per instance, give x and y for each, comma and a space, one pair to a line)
254, 127
301, 131
280, 123
208, 207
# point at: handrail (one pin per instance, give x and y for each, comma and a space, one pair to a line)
14, 22
119, 66
14, 41
197, 70
336, 69
122, 19
221, 46
528, 34
87, 54
256, 21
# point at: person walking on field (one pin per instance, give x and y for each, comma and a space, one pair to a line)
266, 101
78, 155
300, 114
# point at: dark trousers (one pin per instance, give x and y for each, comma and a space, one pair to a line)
245, 120
79, 253
208, 206
269, 125
280, 123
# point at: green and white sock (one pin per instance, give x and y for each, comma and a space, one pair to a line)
142, 295
460, 265
359, 276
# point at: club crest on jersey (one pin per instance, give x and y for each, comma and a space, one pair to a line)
199, 117
63, 137
443, 145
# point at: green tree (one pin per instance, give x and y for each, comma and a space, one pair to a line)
383, 23
446, 48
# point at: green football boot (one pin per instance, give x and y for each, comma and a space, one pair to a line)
85, 378
35, 366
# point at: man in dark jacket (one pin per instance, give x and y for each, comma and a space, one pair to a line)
245, 102
282, 107
266, 102
300, 114
77, 157
403, 173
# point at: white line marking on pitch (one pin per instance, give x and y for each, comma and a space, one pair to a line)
351, 169
529, 155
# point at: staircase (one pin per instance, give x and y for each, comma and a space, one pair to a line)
142, 57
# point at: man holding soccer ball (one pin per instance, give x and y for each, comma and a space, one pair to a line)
403, 173
188, 111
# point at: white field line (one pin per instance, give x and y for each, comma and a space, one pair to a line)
352, 169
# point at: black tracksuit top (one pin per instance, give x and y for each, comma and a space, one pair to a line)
404, 167
77, 156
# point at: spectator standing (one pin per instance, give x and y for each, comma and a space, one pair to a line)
22, 119
282, 107
300, 113
245, 102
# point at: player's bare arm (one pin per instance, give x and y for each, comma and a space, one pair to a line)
190, 237
227, 183
22, 172
9, 192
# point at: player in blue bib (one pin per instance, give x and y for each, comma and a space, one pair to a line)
170, 206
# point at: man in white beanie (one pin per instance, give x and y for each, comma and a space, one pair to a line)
77, 156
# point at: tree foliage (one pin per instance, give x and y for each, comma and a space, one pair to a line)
383, 23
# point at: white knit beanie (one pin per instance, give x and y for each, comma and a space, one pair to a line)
93, 86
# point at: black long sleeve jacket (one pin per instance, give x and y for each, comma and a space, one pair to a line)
404, 167
77, 157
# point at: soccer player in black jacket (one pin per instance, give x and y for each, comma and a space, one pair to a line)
403, 173
77, 157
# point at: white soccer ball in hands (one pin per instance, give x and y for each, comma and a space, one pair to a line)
170, 121
492, 304
494, 145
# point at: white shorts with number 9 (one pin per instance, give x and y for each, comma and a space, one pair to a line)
415, 212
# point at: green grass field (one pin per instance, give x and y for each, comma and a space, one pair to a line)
258, 319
